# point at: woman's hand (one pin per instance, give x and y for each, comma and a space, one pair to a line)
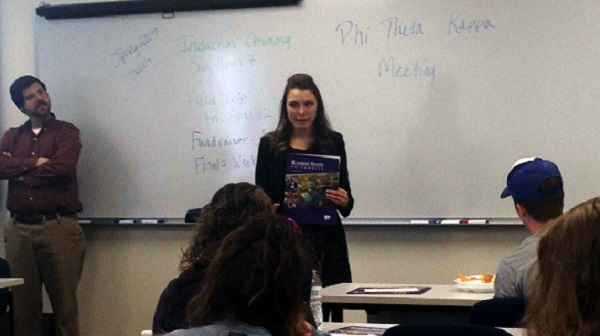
338, 196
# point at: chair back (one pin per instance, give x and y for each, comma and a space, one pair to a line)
4, 294
443, 329
498, 312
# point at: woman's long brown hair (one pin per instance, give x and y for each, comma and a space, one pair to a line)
230, 206
257, 277
321, 127
565, 295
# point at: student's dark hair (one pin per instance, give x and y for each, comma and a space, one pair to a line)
230, 206
565, 294
321, 127
257, 277
549, 207
19, 85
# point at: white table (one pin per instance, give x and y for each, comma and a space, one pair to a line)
336, 325
439, 300
9, 282
329, 326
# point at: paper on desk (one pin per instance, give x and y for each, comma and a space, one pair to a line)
358, 330
390, 290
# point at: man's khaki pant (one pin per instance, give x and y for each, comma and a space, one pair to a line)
51, 253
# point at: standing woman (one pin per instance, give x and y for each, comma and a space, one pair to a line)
304, 128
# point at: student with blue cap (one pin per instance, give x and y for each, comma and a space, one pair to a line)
536, 187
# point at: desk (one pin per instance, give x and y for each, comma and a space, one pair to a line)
442, 303
336, 325
9, 282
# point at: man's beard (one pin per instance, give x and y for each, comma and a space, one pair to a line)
41, 113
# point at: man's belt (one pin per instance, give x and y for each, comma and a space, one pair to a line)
36, 219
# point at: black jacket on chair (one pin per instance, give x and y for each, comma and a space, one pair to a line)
498, 312
443, 329
4, 294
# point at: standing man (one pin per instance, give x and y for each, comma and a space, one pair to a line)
536, 187
43, 239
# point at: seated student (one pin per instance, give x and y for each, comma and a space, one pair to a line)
536, 187
255, 285
565, 295
229, 208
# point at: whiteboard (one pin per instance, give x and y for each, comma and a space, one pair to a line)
436, 99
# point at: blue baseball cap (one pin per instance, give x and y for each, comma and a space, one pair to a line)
527, 174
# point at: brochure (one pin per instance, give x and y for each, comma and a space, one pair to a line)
307, 177
358, 330
390, 290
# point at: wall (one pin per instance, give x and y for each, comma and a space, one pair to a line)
127, 267
16, 58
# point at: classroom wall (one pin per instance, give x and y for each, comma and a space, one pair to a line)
127, 267
16, 58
